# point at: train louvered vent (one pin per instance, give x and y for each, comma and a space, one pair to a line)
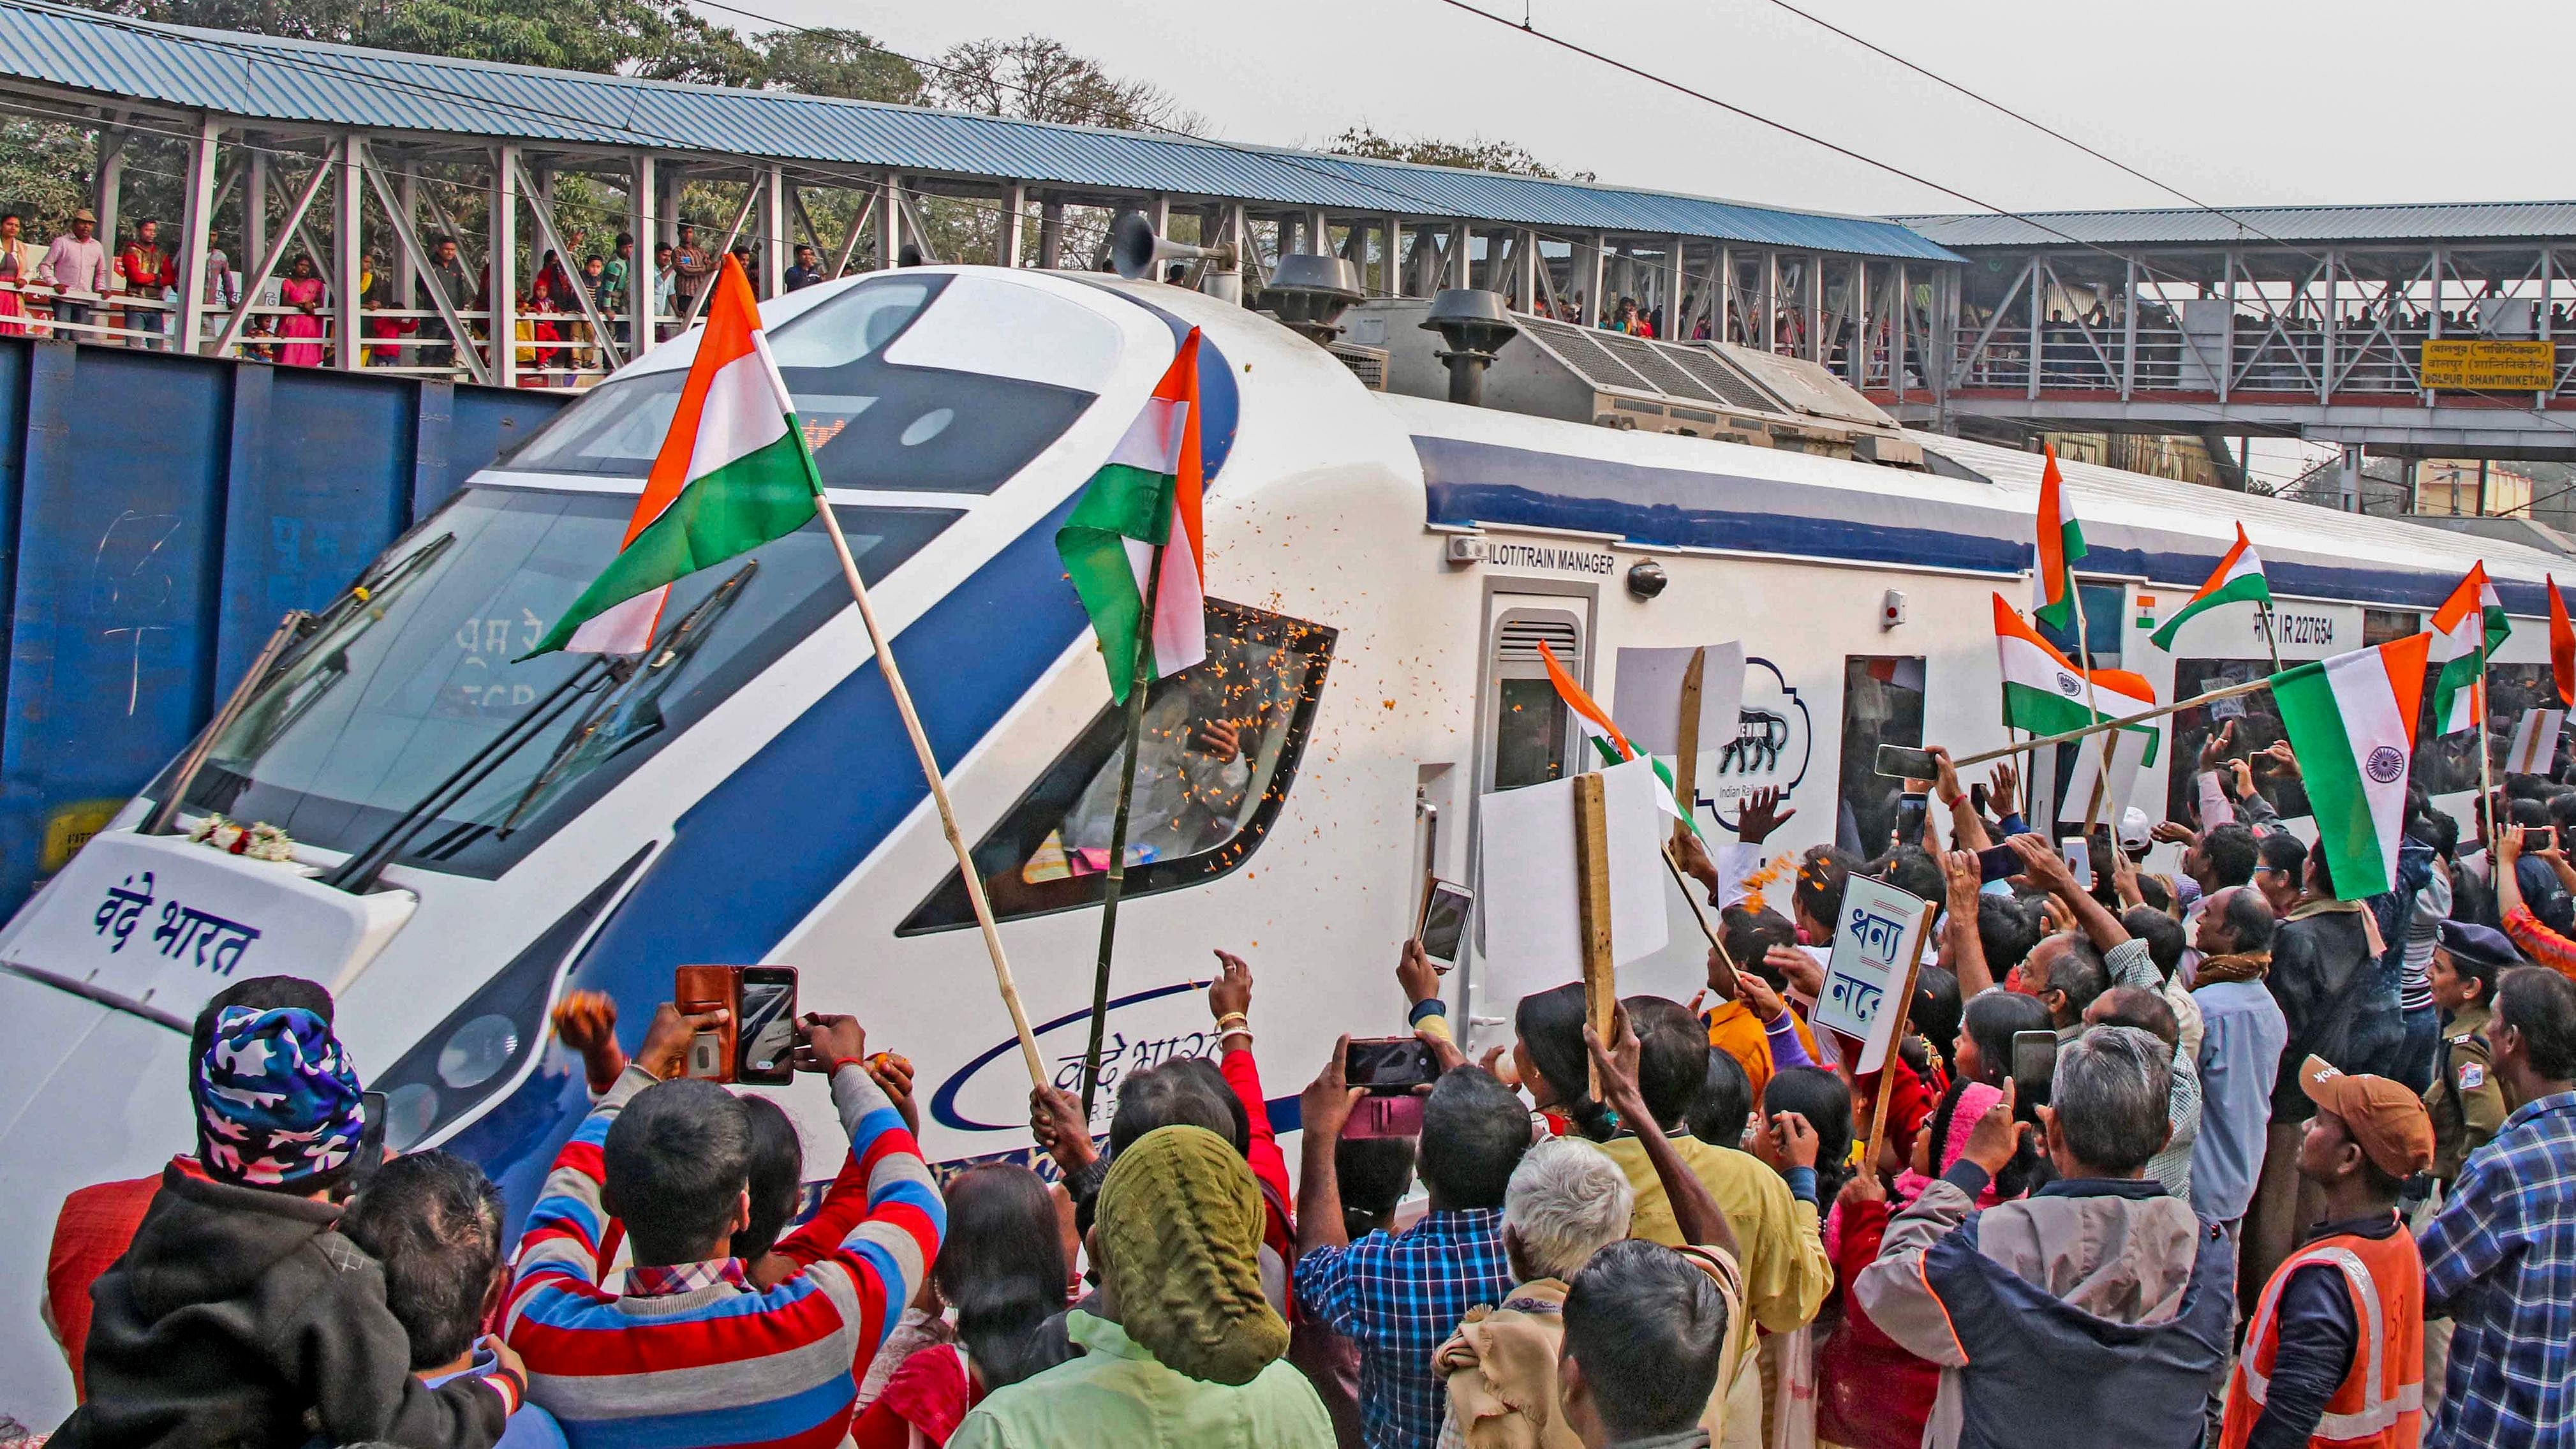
1589, 359
1714, 374
1521, 638
1650, 361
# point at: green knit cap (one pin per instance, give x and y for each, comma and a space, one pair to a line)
1179, 1240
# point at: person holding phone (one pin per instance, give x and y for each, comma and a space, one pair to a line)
667, 1157
2525, 927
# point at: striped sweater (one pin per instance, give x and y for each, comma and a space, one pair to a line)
708, 1361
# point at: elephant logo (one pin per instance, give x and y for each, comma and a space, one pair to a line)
1760, 735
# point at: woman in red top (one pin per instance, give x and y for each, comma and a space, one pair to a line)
1002, 1265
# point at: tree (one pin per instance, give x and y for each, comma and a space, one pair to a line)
1475, 154
834, 62
662, 39
1037, 79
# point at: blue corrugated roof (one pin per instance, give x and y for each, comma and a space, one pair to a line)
269, 78
2255, 225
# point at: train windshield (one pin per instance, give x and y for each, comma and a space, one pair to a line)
873, 422
395, 694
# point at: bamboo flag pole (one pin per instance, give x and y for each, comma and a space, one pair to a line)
2092, 701
1592, 909
2271, 634
2486, 748
2041, 742
1137, 679
938, 793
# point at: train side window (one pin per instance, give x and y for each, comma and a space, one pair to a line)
1882, 705
2258, 724
1221, 744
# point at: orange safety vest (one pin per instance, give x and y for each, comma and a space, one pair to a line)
2380, 1403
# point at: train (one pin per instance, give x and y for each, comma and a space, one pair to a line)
468, 834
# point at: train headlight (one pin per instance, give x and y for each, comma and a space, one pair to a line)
486, 1043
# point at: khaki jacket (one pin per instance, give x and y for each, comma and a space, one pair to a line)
1500, 1366
2466, 1105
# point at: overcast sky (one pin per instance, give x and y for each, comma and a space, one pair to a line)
2234, 102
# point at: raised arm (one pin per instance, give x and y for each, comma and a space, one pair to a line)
1323, 1108
893, 1240
1967, 832
560, 1248
1695, 1211
1963, 949
2046, 870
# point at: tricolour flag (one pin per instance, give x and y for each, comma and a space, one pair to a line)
1146, 496
2045, 694
2239, 580
733, 473
2562, 647
2466, 630
2060, 544
1606, 735
2352, 721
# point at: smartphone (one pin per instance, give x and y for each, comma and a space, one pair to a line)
2079, 859
1978, 799
1906, 763
1385, 1117
698, 989
1910, 809
1388, 1064
1997, 862
2034, 1066
1443, 928
765, 1010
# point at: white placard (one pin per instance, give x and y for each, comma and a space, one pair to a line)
2128, 757
1872, 944
1647, 701
2535, 742
1526, 898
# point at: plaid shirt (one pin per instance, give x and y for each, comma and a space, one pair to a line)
1399, 1298
2500, 1259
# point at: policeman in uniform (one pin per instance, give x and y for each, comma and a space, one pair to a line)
2466, 1105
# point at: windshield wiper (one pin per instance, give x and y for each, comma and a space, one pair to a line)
275, 658
664, 656
359, 871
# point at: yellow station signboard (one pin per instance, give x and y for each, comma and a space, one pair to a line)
2486, 364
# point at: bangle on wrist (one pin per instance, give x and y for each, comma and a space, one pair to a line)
1241, 1022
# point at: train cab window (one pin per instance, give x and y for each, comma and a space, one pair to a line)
872, 422
2448, 764
1882, 705
393, 694
2104, 608
2385, 626
1221, 744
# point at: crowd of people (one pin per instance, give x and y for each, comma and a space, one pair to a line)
2210, 1157
78, 287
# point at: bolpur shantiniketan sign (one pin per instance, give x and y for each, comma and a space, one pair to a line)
2486, 364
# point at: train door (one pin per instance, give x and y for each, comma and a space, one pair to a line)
1525, 734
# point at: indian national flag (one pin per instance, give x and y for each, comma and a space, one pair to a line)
2061, 543
2045, 694
1147, 496
1592, 720
2352, 721
733, 473
2466, 630
2239, 580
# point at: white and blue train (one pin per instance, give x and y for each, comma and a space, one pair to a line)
475, 836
